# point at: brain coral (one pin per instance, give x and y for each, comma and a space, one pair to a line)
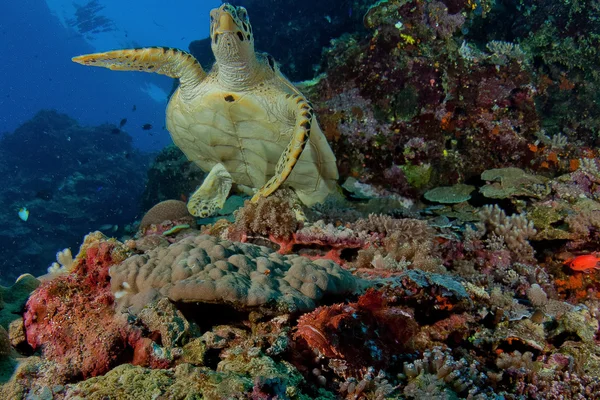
168, 210
206, 269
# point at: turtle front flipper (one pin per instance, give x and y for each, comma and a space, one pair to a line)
304, 119
211, 195
161, 60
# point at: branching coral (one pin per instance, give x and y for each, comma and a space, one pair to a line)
370, 386
514, 230
405, 243
438, 375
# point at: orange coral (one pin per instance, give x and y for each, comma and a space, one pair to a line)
565, 84
573, 165
532, 147
575, 285
447, 123
553, 158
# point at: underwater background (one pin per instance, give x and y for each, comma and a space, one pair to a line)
71, 178
458, 258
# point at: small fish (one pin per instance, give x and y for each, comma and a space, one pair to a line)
99, 188
24, 214
147, 127
115, 131
123, 122
109, 228
134, 108
584, 263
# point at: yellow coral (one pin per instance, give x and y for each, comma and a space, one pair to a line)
408, 39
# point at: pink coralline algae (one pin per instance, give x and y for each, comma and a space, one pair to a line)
71, 318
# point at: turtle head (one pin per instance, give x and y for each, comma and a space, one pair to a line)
231, 34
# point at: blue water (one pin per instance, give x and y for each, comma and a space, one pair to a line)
36, 72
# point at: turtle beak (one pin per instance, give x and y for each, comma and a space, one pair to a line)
226, 23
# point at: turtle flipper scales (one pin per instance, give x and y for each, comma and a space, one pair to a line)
304, 118
161, 60
211, 195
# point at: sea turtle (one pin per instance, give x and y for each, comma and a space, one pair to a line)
244, 121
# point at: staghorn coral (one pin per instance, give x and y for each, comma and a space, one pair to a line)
503, 52
554, 376
205, 269
566, 385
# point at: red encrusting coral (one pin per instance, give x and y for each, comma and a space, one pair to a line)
72, 319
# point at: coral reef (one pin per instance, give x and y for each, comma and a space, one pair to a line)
485, 287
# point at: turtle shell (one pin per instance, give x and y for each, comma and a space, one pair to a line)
247, 132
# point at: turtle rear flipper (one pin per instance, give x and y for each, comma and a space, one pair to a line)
212, 194
161, 60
